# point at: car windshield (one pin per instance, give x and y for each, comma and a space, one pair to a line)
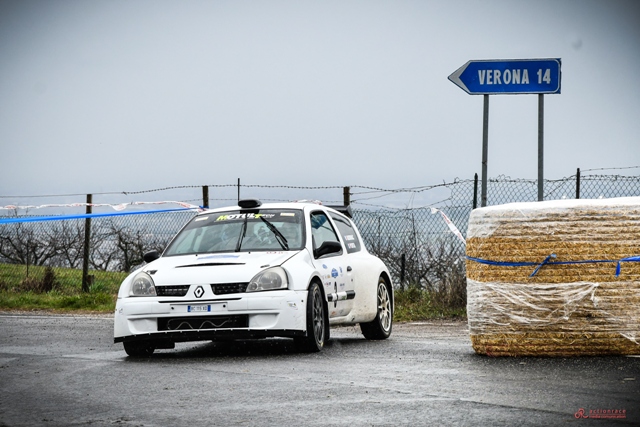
240, 231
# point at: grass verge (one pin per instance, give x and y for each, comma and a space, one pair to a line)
98, 302
57, 289
60, 290
418, 304
411, 305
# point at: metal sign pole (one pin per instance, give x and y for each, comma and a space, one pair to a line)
515, 76
485, 150
540, 147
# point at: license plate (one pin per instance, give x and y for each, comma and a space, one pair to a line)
198, 308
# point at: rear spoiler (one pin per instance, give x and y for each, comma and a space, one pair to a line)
345, 210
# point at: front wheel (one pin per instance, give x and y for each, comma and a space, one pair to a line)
380, 327
316, 322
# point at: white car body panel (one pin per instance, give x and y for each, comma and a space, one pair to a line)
267, 313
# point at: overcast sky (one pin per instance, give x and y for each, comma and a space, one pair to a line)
99, 96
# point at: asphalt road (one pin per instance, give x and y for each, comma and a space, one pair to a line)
65, 371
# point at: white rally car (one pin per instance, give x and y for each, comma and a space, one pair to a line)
256, 271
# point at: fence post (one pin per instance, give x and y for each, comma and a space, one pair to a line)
87, 237
346, 196
205, 196
475, 191
578, 184
402, 265
238, 189
29, 245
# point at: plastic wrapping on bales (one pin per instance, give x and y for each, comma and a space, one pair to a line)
557, 278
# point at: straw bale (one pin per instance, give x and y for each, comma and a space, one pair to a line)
553, 344
564, 309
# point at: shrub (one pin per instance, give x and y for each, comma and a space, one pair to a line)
40, 285
29, 284
450, 292
49, 281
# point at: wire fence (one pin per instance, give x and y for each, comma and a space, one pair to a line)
416, 242
412, 240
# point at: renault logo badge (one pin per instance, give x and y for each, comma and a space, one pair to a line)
199, 292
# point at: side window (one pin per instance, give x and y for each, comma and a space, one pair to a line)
347, 232
321, 229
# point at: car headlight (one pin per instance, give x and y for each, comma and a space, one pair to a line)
142, 286
268, 280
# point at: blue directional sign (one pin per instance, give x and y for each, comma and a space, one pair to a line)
514, 76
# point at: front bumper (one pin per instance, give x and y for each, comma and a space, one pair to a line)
247, 315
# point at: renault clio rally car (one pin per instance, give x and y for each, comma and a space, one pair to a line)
256, 271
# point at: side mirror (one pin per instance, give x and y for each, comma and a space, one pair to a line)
151, 256
328, 248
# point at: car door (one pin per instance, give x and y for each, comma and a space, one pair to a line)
336, 273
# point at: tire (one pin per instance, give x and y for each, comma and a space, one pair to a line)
317, 324
138, 349
380, 327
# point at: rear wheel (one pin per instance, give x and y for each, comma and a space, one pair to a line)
138, 348
316, 322
380, 327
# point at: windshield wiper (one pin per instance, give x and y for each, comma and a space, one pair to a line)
243, 232
279, 237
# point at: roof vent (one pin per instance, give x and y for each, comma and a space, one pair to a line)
249, 203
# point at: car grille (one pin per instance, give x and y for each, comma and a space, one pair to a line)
229, 288
200, 322
172, 291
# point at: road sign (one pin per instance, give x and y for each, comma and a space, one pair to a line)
514, 76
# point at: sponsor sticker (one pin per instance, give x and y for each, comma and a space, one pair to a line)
230, 217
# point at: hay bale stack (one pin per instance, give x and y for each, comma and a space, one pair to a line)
575, 304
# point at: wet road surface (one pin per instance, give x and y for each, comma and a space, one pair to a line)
66, 371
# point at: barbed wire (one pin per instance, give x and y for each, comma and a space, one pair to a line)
606, 169
353, 189
235, 185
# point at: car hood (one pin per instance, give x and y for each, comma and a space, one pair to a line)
213, 268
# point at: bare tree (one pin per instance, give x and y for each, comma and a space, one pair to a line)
131, 245
21, 244
432, 262
117, 247
102, 255
66, 238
